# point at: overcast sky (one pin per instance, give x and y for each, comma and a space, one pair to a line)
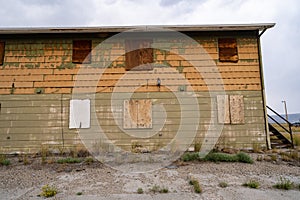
280, 45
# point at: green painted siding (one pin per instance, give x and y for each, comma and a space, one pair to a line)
29, 122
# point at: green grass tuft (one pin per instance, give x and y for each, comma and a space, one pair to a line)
223, 184
140, 191
223, 157
68, 160
196, 184
48, 191
79, 193
159, 189
220, 157
252, 184
284, 184
4, 160
155, 189
190, 157
164, 190
244, 158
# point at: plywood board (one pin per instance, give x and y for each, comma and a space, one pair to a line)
228, 50
137, 114
237, 109
223, 109
79, 113
138, 52
130, 114
144, 114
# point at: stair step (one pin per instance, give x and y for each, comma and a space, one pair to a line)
282, 146
278, 140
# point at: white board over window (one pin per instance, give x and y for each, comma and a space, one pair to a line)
80, 113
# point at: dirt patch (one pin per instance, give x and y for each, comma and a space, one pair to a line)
97, 181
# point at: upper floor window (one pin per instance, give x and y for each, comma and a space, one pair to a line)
228, 51
2, 52
139, 54
81, 51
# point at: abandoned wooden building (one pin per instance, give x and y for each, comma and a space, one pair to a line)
57, 82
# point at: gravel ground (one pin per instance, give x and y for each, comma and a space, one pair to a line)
97, 181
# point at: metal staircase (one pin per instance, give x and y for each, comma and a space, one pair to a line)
284, 137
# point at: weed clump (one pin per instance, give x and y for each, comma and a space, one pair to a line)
218, 157
244, 158
223, 184
164, 190
196, 184
89, 160
4, 160
223, 157
190, 157
297, 141
48, 191
140, 191
155, 189
158, 189
68, 160
284, 184
252, 184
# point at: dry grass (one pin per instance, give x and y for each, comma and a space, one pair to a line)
296, 138
294, 129
296, 132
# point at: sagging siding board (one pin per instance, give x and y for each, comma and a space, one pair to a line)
34, 64
27, 122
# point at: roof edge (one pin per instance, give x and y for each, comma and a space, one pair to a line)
146, 28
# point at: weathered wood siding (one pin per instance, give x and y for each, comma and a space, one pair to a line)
45, 66
38, 77
29, 122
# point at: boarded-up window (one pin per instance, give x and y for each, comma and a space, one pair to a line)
137, 114
228, 51
2, 52
237, 109
81, 51
79, 113
223, 109
230, 109
139, 54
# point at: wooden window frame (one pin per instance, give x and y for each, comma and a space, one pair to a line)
2, 52
139, 54
81, 53
228, 51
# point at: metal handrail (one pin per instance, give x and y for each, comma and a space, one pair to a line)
278, 123
279, 115
290, 124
